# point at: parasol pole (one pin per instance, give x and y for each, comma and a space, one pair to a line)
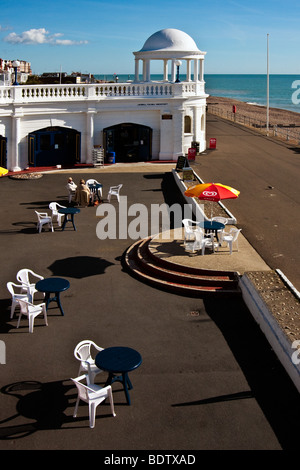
267, 84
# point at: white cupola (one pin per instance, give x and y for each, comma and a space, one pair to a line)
170, 45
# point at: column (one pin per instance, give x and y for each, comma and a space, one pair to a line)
137, 77
178, 148
15, 160
201, 70
196, 128
165, 70
148, 70
173, 72
144, 70
188, 70
89, 135
196, 70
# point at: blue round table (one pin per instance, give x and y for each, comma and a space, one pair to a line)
69, 211
212, 226
54, 285
118, 361
95, 188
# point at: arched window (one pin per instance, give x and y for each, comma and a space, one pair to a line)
187, 124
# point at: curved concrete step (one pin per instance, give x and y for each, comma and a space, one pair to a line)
174, 272
177, 278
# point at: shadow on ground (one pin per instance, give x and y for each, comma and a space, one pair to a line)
79, 266
269, 383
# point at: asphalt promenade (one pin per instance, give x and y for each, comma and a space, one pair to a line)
208, 380
266, 171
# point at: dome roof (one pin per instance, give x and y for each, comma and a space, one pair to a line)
170, 40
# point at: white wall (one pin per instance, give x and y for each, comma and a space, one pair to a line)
91, 117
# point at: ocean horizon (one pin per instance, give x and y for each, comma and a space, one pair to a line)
249, 88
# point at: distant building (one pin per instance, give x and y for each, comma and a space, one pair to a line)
63, 77
139, 120
7, 71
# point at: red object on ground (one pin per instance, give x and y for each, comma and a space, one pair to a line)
192, 153
212, 143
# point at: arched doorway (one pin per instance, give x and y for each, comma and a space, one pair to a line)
130, 142
53, 146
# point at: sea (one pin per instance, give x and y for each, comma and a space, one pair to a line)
284, 90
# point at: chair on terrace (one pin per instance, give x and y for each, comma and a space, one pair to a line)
54, 206
82, 352
44, 219
231, 237
200, 243
31, 311
93, 395
222, 220
114, 191
28, 279
17, 293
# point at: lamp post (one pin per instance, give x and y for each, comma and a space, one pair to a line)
15, 65
267, 84
178, 64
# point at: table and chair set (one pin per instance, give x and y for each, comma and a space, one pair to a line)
116, 361
22, 294
208, 234
62, 214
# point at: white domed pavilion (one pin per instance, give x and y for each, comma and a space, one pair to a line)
170, 45
139, 120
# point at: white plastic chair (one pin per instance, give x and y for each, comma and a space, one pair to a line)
31, 311
44, 219
92, 181
231, 237
190, 227
222, 220
200, 243
71, 192
93, 395
28, 279
82, 352
15, 296
114, 191
54, 206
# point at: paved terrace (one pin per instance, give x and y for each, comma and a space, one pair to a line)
209, 379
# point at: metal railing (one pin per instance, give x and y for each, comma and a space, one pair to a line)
289, 133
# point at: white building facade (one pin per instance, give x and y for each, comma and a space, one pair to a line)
46, 125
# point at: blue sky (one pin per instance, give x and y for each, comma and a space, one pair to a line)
99, 36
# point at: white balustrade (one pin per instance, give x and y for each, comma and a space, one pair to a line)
97, 91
